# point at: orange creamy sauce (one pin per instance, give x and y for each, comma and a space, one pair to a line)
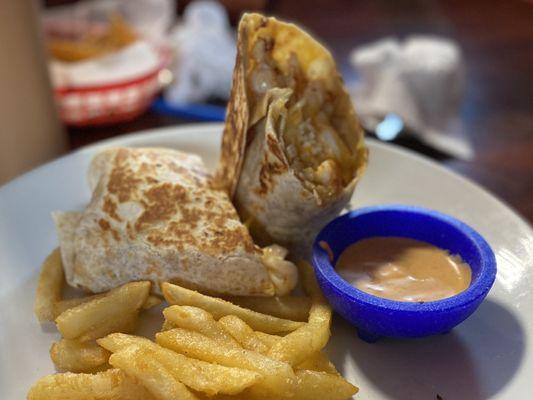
403, 269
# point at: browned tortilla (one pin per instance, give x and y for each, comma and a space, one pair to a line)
236, 126
271, 190
153, 216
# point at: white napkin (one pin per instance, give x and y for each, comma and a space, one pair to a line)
205, 51
421, 80
127, 63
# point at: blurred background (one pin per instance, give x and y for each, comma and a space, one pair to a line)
450, 79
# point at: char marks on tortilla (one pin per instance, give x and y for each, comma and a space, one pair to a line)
154, 216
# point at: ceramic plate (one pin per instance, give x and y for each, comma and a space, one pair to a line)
487, 356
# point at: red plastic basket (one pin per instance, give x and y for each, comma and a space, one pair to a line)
111, 103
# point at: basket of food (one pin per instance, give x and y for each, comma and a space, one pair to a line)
103, 71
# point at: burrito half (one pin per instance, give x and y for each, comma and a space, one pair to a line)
292, 150
153, 216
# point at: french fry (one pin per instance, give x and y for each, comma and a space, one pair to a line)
243, 334
196, 374
151, 301
49, 287
205, 377
318, 362
111, 384
278, 377
295, 308
219, 308
118, 35
309, 385
309, 283
267, 338
64, 305
136, 362
300, 344
103, 315
167, 325
313, 385
196, 319
118, 341
73, 356
127, 323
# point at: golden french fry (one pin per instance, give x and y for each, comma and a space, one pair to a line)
295, 308
278, 377
125, 324
267, 339
300, 344
196, 374
49, 287
205, 377
309, 283
118, 341
243, 334
196, 319
111, 384
137, 362
103, 315
151, 301
119, 35
313, 385
219, 308
309, 385
167, 325
73, 356
318, 362
64, 305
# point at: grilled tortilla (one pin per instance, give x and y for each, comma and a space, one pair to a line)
292, 150
153, 216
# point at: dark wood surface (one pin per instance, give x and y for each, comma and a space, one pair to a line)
497, 42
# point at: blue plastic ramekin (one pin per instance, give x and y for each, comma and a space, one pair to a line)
376, 317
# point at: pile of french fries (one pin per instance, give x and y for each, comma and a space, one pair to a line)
208, 347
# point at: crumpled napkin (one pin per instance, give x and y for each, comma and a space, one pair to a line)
205, 54
420, 80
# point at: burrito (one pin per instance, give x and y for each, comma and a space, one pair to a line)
154, 216
292, 149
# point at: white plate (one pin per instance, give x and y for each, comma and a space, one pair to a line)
488, 356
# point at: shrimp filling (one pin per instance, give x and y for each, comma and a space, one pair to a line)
313, 132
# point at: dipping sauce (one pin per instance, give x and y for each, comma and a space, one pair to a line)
403, 269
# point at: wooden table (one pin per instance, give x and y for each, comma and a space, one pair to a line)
497, 41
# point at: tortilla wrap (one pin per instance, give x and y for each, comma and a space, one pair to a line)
292, 150
153, 216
